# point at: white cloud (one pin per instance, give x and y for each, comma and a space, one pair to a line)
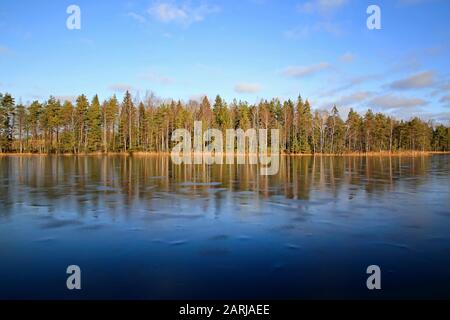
446, 87
247, 88
445, 99
418, 81
303, 71
166, 12
321, 6
390, 101
120, 87
185, 14
137, 17
354, 98
156, 77
441, 89
437, 117
351, 83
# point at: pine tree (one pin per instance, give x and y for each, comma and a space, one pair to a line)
440, 138
67, 140
33, 122
90, 127
82, 107
287, 121
51, 121
126, 123
221, 115
94, 118
354, 129
142, 127
205, 115
368, 129
111, 114
304, 119
21, 117
243, 117
6, 122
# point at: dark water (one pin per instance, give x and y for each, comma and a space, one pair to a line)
144, 228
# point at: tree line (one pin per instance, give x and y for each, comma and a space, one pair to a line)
136, 125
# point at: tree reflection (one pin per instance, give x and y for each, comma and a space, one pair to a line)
116, 181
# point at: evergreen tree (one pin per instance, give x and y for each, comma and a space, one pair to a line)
441, 138
111, 116
51, 124
304, 127
205, 114
6, 122
21, 117
354, 130
221, 115
82, 107
368, 129
50, 127
287, 115
126, 123
67, 140
243, 116
94, 118
33, 121
142, 128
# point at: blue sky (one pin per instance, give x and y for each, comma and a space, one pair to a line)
246, 49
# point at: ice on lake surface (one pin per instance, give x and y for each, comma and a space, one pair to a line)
144, 228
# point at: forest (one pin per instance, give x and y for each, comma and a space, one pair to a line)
146, 125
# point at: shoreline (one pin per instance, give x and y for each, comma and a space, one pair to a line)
156, 154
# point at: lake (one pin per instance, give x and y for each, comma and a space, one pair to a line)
144, 228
